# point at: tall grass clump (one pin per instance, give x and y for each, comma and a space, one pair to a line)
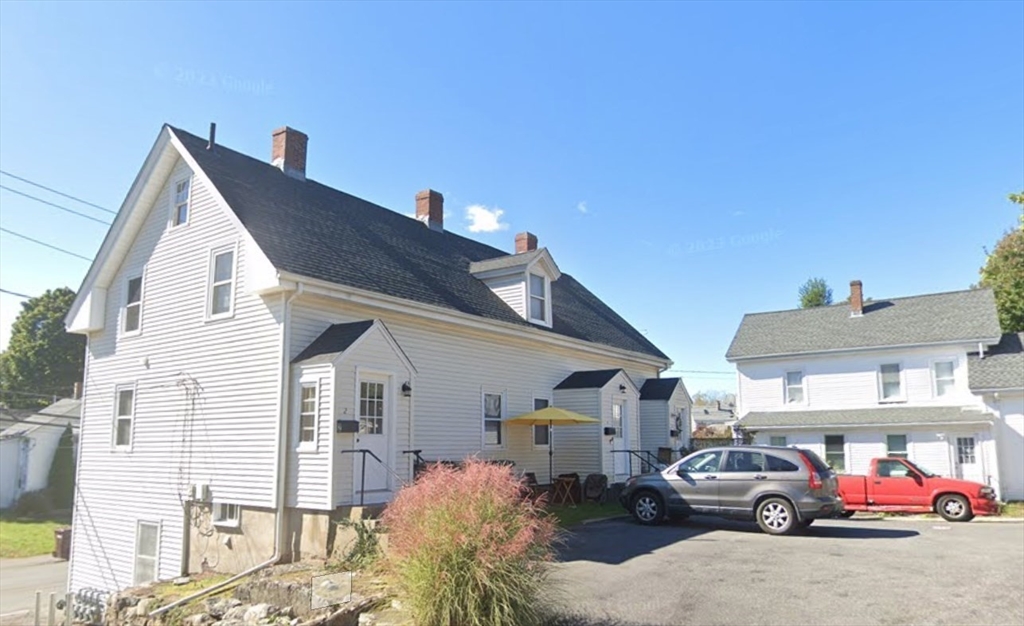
468, 549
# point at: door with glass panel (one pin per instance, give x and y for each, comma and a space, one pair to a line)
621, 441
374, 410
968, 461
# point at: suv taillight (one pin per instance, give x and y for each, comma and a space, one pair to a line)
813, 480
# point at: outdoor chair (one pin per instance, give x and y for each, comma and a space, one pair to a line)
595, 488
565, 489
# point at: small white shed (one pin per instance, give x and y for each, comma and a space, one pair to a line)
28, 447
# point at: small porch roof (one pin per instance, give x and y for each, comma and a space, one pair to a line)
332, 342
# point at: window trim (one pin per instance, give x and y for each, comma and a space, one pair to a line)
533, 436
133, 387
546, 299
214, 253
784, 444
786, 386
502, 432
141, 276
902, 397
935, 378
135, 553
174, 204
846, 452
308, 446
384, 379
889, 452
220, 521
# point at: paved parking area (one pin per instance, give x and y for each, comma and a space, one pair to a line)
708, 571
19, 581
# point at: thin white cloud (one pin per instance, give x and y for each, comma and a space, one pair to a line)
582, 207
484, 220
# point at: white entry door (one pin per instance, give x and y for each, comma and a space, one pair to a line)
620, 422
968, 459
375, 416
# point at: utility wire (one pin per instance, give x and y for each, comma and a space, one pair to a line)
56, 206
15, 293
45, 245
69, 197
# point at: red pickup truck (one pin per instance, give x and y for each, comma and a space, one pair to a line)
899, 486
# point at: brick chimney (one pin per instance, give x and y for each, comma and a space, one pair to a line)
288, 152
856, 298
430, 209
526, 242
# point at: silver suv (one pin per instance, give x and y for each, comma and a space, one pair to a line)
781, 488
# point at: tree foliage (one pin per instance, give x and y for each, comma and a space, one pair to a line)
41, 358
62, 472
815, 292
1004, 273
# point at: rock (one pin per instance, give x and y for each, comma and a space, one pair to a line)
199, 619
396, 604
142, 609
367, 619
329, 585
181, 580
257, 613
235, 614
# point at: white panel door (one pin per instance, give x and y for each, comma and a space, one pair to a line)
968, 459
620, 421
375, 417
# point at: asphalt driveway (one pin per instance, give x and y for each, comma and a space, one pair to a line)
19, 581
708, 571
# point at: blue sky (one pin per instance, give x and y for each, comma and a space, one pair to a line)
687, 162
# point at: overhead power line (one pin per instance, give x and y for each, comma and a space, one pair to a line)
44, 244
59, 193
15, 293
56, 206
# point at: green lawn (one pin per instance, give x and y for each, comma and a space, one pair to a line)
1013, 509
572, 515
25, 537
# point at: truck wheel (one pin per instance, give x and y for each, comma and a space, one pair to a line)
847, 513
776, 516
647, 508
954, 508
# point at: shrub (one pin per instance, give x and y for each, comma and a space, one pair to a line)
364, 550
33, 505
468, 549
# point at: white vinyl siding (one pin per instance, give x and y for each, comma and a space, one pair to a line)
309, 462
133, 306
945, 377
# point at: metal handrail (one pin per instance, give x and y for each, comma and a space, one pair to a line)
644, 462
362, 476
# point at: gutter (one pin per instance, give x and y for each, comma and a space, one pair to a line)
780, 355
282, 455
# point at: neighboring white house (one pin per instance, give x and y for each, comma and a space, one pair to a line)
891, 377
665, 407
27, 449
252, 332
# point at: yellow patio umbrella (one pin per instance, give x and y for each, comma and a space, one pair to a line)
551, 416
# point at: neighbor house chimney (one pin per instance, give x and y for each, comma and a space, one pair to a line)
856, 298
526, 242
430, 209
288, 152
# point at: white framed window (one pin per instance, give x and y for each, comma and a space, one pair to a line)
539, 309
777, 440
944, 377
221, 299
541, 432
180, 202
835, 452
493, 413
371, 407
124, 416
132, 306
965, 451
307, 414
147, 552
225, 514
795, 388
896, 446
890, 381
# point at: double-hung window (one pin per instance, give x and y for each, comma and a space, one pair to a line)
890, 378
795, 388
541, 432
307, 414
181, 196
538, 299
222, 283
492, 419
133, 305
147, 550
778, 440
896, 446
124, 414
835, 452
944, 375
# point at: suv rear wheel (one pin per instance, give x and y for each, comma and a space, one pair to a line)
776, 516
647, 508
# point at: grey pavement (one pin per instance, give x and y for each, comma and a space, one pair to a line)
708, 571
19, 581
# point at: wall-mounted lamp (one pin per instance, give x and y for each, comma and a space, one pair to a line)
622, 388
406, 389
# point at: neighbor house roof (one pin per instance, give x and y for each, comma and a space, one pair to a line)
590, 379
959, 316
333, 341
1002, 366
712, 414
309, 229
862, 417
659, 388
61, 413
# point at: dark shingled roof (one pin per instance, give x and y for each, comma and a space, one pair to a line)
1002, 367
658, 388
335, 340
967, 316
312, 230
863, 417
591, 379
503, 262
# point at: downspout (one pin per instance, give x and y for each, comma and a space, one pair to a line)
282, 455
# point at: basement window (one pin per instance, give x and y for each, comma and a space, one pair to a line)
225, 514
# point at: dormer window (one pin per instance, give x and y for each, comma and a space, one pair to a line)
538, 299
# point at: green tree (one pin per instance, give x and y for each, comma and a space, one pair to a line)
815, 292
1004, 273
62, 472
41, 357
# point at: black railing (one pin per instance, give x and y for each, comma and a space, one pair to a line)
647, 461
362, 476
